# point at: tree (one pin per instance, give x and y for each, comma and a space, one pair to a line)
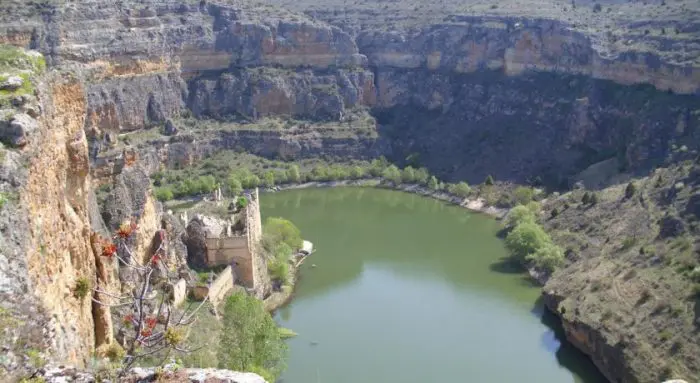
250, 340
206, 184
525, 239
461, 189
152, 323
586, 199
422, 176
630, 190
488, 181
518, 215
268, 180
234, 185
523, 195
433, 183
357, 172
251, 181
376, 168
293, 174
408, 175
164, 194
547, 257
280, 230
392, 174
319, 173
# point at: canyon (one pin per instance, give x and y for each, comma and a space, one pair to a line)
527, 92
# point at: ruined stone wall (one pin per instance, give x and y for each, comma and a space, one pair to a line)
221, 286
251, 268
261, 278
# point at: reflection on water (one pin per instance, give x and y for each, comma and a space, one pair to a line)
409, 289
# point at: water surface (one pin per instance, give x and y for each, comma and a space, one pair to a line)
408, 289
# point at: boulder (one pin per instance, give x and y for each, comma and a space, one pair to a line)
12, 83
170, 129
18, 129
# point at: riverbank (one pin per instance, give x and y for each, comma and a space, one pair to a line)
474, 204
279, 299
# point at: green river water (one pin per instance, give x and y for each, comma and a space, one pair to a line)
412, 290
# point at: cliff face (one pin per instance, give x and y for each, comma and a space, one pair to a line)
46, 231
522, 90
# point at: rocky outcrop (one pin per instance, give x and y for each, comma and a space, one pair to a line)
62, 374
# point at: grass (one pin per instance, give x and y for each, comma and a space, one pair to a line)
18, 62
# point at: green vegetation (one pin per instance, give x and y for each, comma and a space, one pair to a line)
250, 340
461, 189
81, 288
528, 242
286, 333
280, 239
18, 62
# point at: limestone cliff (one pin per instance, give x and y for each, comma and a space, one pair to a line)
533, 90
46, 231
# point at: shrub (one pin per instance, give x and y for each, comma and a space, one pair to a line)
525, 239
241, 202
461, 189
268, 179
293, 174
357, 172
489, 180
234, 185
280, 230
164, 194
81, 288
408, 175
630, 190
554, 213
586, 198
376, 168
433, 183
279, 270
392, 174
594, 198
518, 215
523, 195
547, 257
250, 340
422, 176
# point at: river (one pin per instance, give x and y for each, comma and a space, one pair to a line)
408, 289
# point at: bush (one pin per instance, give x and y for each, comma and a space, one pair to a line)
250, 340
523, 195
280, 230
433, 183
525, 239
357, 172
164, 194
547, 257
489, 180
392, 174
408, 175
293, 174
279, 270
241, 202
630, 190
377, 166
518, 215
422, 176
268, 179
234, 185
461, 189
81, 288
